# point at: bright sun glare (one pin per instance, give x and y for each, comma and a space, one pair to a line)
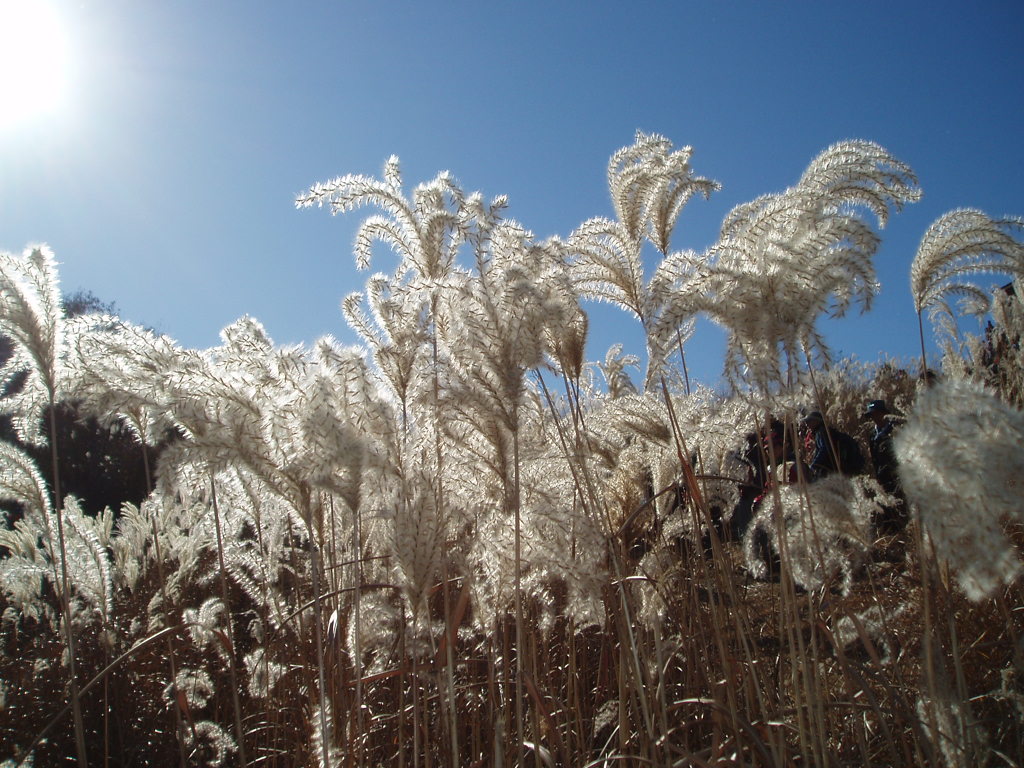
33, 61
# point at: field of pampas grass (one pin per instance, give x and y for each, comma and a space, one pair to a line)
465, 545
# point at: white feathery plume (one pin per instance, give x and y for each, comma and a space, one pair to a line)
115, 371
958, 736
264, 673
826, 527
31, 309
958, 246
567, 345
649, 186
30, 562
396, 331
210, 744
194, 684
131, 546
493, 326
322, 747
607, 266
20, 480
383, 619
614, 368
564, 548
88, 539
204, 625
294, 418
425, 232
784, 259
961, 465
876, 622
31, 316
419, 536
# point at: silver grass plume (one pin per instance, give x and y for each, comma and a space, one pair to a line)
567, 345
826, 528
321, 747
784, 259
31, 315
132, 545
260, 534
116, 369
961, 466
714, 427
35, 557
264, 673
383, 619
958, 736
210, 744
28, 566
649, 185
624, 435
494, 325
607, 266
88, 542
418, 541
396, 331
185, 533
613, 369
20, 480
425, 232
204, 625
259, 542
877, 622
565, 545
194, 684
296, 419
958, 246
494, 330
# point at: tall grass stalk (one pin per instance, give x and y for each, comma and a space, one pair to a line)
65, 590
232, 645
924, 360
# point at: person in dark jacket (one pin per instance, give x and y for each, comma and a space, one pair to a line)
883, 455
831, 450
762, 448
886, 466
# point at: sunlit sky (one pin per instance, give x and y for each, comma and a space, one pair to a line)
165, 175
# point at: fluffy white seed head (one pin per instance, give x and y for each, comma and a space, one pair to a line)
962, 466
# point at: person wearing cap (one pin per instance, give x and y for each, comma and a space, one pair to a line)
886, 467
832, 450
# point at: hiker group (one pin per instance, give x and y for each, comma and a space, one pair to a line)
825, 450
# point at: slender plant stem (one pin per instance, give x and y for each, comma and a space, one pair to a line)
65, 594
318, 622
920, 332
232, 671
357, 543
520, 733
179, 726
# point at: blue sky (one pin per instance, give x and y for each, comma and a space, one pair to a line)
166, 182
